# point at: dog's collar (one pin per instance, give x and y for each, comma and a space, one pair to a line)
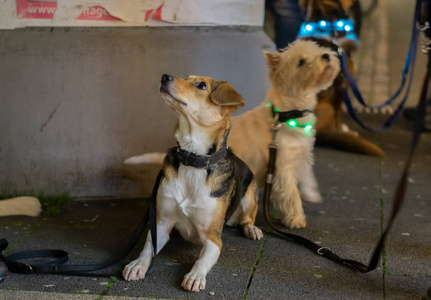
290, 116
200, 161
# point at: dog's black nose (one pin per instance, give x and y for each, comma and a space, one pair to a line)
166, 78
326, 57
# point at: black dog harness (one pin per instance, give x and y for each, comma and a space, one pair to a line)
242, 173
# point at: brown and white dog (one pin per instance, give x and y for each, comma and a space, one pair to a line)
196, 199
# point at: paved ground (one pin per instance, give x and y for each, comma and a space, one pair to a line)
357, 193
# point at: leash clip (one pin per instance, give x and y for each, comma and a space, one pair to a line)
340, 50
424, 26
319, 251
426, 45
29, 269
207, 163
274, 129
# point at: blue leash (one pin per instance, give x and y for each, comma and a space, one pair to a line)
409, 66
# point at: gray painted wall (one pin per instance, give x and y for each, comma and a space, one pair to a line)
74, 103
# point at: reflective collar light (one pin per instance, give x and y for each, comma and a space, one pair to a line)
293, 124
324, 28
308, 127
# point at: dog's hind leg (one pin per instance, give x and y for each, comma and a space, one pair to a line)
245, 214
285, 196
138, 268
308, 185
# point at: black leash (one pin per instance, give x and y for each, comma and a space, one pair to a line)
396, 202
57, 265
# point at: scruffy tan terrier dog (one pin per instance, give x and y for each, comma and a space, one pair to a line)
296, 74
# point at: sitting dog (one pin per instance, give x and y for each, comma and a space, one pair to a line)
205, 183
296, 75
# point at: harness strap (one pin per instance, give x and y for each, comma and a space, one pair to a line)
153, 219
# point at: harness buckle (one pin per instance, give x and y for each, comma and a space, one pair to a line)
207, 163
319, 251
29, 269
274, 129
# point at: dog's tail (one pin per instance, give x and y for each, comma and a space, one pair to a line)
155, 158
348, 142
20, 206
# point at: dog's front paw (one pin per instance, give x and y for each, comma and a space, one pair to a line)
312, 196
194, 282
253, 232
135, 270
294, 221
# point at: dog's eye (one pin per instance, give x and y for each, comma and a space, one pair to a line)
201, 85
301, 62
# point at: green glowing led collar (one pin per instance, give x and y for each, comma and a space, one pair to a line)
293, 124
289, 117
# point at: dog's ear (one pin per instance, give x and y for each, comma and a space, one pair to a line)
272, 59
348, 45
223, 94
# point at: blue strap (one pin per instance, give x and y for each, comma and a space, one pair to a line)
408, 68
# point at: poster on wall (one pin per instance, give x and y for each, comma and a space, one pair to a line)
34, 9
28, 13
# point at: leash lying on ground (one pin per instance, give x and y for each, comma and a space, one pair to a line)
396, 203
57, 266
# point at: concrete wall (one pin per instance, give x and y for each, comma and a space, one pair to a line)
74, 103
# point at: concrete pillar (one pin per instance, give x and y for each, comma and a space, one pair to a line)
74, 103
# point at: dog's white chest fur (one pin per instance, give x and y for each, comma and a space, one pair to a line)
187, 199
